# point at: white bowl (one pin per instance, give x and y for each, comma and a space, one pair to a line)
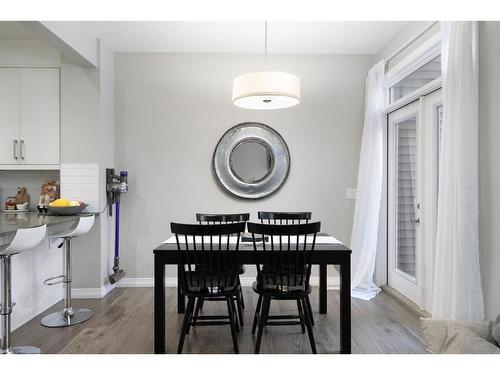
22, 206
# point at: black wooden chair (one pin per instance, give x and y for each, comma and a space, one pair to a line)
286, 218
212, 219
222, 218
209, 268
283, 273
267, 217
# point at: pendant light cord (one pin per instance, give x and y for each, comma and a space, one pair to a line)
265, 44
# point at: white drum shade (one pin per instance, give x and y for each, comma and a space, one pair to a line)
266, 90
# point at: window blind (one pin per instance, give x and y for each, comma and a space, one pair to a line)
406, 190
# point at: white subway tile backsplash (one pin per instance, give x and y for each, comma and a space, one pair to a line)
31, 179
81, 182
73, 186
83, 179
79, 170
77, 181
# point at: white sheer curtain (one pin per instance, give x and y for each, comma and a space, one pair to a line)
369, 192
457, 279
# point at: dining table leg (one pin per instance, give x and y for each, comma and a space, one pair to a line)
181, 300
345, 306
322, 288
159, 306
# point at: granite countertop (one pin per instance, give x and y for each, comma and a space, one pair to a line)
9, 223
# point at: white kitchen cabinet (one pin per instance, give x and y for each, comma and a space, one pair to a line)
39, 116
9, 115
29, 118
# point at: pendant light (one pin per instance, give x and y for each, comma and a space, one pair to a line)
267, 89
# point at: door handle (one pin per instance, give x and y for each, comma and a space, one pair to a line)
15, 149
417, 220
21, 148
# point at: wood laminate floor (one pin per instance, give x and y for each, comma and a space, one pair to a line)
123, 323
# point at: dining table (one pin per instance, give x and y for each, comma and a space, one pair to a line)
328, 251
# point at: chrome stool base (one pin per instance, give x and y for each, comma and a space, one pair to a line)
68, 316
23, 350
63, 319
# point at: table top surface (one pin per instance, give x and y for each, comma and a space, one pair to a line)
322, 244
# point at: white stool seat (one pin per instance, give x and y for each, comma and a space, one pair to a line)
25, 239
84, 225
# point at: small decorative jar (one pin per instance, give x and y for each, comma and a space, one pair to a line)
10, 203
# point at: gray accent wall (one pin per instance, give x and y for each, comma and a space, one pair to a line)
171, 110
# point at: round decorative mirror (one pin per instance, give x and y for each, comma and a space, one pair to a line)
251, 160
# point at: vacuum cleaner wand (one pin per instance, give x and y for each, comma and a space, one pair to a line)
115, 186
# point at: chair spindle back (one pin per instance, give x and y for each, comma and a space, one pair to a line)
286, 259
222, 218
286, 218
208, 256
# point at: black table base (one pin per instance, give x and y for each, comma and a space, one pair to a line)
335, 255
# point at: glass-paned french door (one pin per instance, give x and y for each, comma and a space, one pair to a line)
406, 192
413, 155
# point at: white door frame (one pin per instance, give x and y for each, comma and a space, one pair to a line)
426, 109
430, 140
404, 283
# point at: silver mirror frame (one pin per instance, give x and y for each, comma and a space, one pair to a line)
255, 132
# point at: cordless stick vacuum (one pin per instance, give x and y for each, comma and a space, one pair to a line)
115, 186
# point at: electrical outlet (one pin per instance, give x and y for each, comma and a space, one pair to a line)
351, 194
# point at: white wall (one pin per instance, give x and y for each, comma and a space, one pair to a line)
489, 164
107, 149
80, 136
171, 110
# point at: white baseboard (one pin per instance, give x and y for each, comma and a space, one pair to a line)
144, 282
171, 282
82, 293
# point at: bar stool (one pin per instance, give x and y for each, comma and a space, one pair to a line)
68, 316
24, 239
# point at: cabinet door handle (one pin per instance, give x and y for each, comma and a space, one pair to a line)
15, 149
21, 148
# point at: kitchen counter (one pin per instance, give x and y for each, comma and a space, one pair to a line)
9, 223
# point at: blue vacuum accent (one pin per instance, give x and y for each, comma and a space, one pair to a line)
117, 229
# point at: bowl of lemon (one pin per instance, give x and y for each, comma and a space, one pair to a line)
65, 207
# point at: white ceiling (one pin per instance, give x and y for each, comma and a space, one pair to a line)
243, 37
360, 37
